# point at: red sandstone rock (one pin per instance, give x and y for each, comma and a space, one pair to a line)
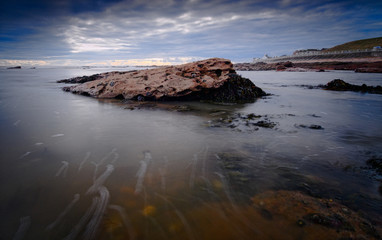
212, 79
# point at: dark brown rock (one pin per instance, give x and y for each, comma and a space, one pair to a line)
17, 67
288, 64
376, 164
280, 68
340, 85
212, 79
82, 79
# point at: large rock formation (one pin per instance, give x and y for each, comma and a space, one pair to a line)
212, 79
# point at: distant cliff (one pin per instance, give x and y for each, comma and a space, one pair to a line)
366, 50
359, 44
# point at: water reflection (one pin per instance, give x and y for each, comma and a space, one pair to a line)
74, 167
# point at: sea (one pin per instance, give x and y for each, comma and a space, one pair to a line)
76, 167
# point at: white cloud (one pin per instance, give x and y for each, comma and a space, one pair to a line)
91, 35
104, 32
123, 28
12, 62
141, 30
116, 62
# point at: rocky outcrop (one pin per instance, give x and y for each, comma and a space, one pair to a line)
17, 67
212, 79
340, 85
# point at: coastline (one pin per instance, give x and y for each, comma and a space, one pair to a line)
365, 65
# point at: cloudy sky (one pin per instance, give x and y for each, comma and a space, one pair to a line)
130, 32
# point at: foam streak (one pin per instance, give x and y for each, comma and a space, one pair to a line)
83, 161
25, 223
126, 221
63, 169
85, 218
142, 171
107, 156
100, 180
62, 214
180, 216
193, 170
92, 227
163, 172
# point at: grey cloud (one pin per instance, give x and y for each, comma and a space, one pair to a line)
233, 29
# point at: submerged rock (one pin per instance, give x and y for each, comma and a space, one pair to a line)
265, 124
322, 218
376, 164
332, 220
242, 122
312, 126
212, 79
341, 85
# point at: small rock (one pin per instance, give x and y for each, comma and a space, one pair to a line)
266, 214
376, 164
313, 126
317, 127
265, 124
301, 223
253, 116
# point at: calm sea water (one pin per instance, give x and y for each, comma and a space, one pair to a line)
75, 167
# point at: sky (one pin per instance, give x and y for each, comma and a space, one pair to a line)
145, 32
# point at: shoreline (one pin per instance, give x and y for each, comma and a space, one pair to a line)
364, 65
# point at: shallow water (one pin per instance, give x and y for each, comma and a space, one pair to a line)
75, 167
